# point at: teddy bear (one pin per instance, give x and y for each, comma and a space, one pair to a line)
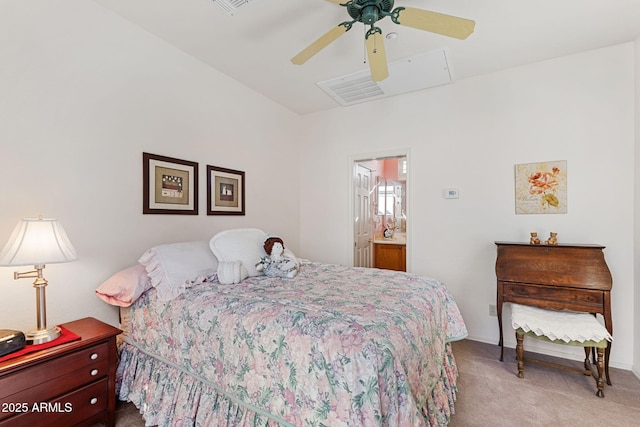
279, 261
534, 240
552, 240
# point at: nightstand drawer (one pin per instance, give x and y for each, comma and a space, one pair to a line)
55, 377
66, 410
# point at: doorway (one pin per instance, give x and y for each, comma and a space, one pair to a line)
380, 211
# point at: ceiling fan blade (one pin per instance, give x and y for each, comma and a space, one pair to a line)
322, 42
340, 2
377, 57
447, 25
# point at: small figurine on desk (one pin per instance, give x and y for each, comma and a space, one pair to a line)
552, 240
534, 240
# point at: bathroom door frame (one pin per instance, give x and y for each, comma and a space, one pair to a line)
379, 155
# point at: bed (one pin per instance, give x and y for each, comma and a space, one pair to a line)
333, 346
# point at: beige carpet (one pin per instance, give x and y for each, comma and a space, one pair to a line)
490, 394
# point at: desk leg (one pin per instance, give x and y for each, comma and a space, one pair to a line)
608, 323
607, 351
499, 302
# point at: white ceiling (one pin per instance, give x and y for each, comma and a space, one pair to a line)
256, 44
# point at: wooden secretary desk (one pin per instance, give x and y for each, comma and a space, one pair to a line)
559, 277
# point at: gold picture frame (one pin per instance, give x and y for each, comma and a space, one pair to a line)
169, 185
225, 191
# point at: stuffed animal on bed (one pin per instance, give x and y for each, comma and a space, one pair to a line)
279, 262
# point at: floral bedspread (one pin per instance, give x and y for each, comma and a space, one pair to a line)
335, 346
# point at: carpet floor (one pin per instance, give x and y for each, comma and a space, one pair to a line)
490, 394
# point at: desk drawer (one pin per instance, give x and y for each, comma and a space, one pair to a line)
67, 410
554, 296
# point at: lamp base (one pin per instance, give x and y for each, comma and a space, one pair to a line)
41, 336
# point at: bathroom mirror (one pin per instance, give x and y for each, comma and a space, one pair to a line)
391, 204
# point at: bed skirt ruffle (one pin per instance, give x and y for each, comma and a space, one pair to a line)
441, 404
168, 396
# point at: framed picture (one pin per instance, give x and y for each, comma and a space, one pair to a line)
169, 186
541, 188
225, 191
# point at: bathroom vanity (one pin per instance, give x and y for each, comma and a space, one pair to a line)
390, 254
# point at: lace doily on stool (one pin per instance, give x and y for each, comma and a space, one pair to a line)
558, 325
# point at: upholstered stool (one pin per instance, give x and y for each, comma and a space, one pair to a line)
561, 327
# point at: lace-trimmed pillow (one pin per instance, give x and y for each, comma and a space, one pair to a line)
172, 266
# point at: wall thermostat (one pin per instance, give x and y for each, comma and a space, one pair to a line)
451, 193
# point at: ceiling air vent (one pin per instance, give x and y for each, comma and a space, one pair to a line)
407, 75
230, 6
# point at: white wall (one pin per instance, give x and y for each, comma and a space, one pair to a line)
636, 323
469, 135
83, 94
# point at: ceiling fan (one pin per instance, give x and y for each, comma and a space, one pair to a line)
371, 11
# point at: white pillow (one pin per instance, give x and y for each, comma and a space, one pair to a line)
172, 266
231, 272
241, 244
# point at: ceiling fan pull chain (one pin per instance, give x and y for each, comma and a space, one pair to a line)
375, 43
372, 31
364, 45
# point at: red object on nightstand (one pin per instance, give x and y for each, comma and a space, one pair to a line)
65, 337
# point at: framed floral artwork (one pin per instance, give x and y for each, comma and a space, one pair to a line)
169, 185
541, 188
225, 191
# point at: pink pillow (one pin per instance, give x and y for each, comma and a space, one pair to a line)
124, 287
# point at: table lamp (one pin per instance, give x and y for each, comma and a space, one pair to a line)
38, 241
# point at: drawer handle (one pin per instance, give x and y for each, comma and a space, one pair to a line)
93, 400
94, 356
94, 372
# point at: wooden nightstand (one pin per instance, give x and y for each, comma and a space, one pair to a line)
69, 384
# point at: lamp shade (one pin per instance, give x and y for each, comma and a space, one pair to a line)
37, 241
